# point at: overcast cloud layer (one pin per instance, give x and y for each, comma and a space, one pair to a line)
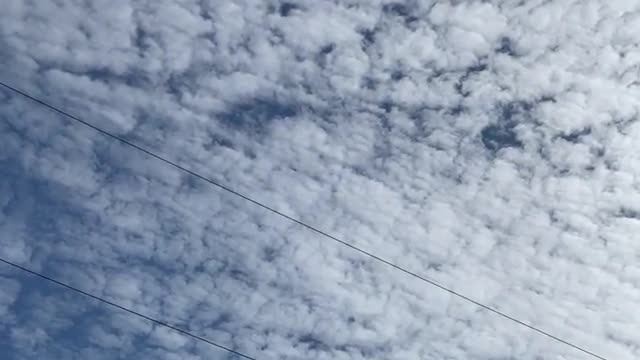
491, 146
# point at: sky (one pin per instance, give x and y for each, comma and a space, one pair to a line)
491, 146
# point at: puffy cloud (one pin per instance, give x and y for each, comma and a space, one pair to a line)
486, 145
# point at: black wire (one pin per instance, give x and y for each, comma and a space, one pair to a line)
155, 321
300, 222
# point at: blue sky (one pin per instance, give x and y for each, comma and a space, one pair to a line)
489, 146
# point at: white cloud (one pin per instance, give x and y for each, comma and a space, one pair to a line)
487, 145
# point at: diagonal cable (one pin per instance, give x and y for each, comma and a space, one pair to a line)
302, 223
133, 312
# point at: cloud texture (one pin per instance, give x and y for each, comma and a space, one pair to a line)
488, 145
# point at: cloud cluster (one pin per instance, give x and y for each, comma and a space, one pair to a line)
489, 146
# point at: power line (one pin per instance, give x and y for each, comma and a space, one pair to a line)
146, 317
302, 223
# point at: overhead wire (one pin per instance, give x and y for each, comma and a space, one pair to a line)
301, 223
133, 312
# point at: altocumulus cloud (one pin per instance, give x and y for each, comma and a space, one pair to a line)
491, 146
